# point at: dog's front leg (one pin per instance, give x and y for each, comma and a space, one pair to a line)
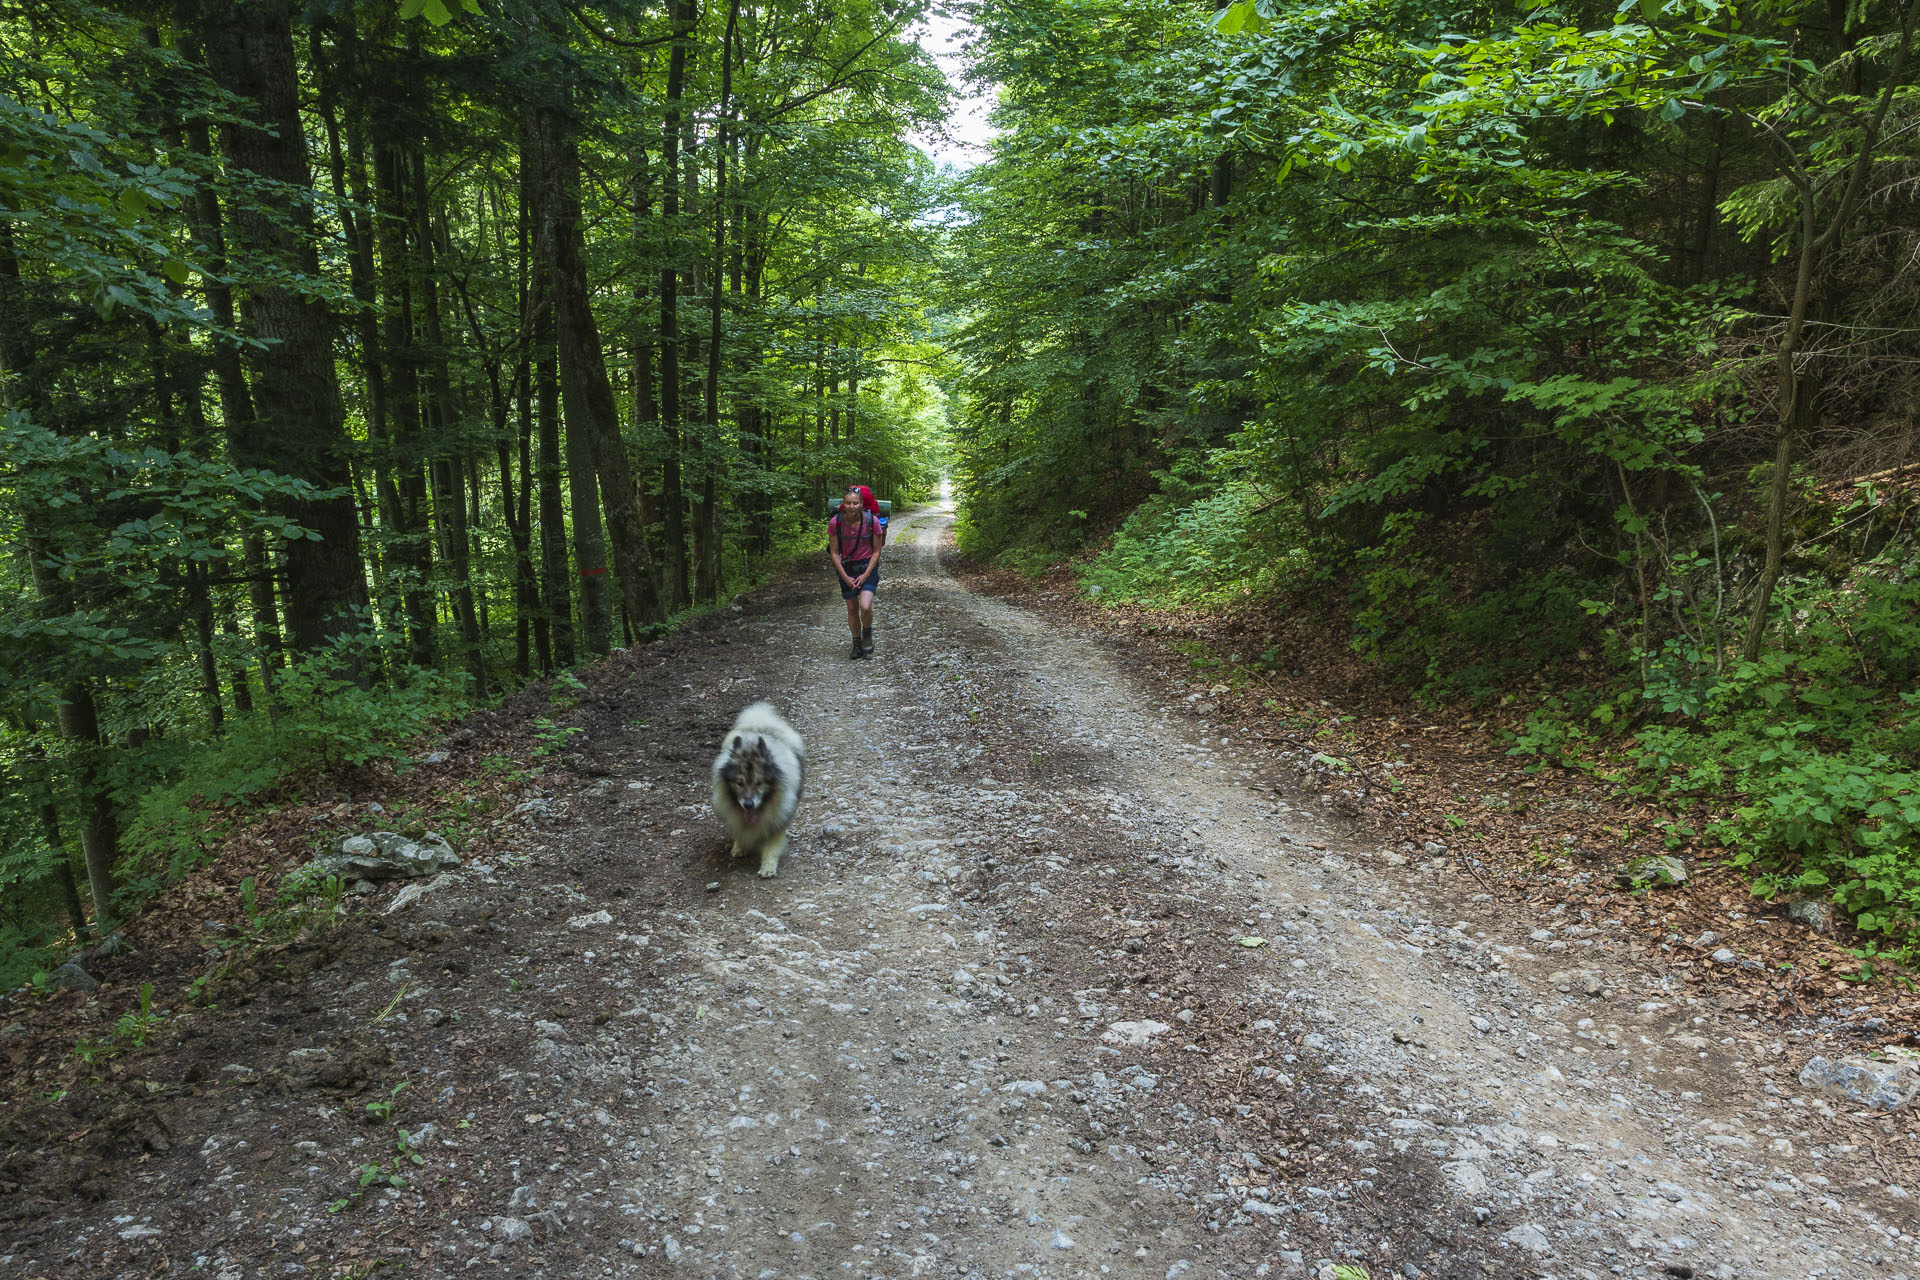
770, 857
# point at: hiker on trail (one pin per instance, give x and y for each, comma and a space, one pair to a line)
855, 538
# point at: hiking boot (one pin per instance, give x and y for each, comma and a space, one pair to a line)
866, 638
858, 652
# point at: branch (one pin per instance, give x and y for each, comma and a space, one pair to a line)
1869, 145
606, 37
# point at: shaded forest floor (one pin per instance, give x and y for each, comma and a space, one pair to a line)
1077, 967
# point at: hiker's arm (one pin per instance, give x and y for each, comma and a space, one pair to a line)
833, 550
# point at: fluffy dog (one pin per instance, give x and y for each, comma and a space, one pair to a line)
757, 780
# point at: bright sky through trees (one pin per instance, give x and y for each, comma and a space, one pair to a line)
963, 140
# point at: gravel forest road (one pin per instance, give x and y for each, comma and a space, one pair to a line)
1054, 982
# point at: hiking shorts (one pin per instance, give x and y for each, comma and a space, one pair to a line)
854, 569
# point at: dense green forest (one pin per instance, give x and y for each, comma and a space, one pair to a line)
362, 361
1559, 355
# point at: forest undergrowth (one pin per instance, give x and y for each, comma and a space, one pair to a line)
193, 803
1775, 781
1551, 365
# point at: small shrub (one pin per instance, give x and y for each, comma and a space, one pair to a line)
326, 721
1175, 550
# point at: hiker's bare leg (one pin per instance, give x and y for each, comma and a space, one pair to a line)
853, 613
866, 610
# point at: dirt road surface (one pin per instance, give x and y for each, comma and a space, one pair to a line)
1054, 982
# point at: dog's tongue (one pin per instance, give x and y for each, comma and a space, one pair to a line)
751, 813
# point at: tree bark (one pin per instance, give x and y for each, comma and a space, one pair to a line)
592, 415
1795, 387
557, 589
449, 507
412, 550
236, 401
674, 534
646, 407
351, 192
710, 571
300, 427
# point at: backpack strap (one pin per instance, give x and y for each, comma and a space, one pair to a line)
864, 536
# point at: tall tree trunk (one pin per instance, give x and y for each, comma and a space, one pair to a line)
348, 170
236, 401
61, 870
583, 497
529, 623
531, 603
709, 572
300, 427
412, 552
450, 507
674, 535
558, 593
78, 717
592, 418
646, 408
557, 588
558, 206
707, 532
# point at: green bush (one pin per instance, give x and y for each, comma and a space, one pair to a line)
1449, 631
1181, 549
325, 721
1806, 755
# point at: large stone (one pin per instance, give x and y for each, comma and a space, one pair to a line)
1529, 1237
1811, 912
387, 855
1133, 1032
71, 977
1655, 871
1882, 1084
1468, 1178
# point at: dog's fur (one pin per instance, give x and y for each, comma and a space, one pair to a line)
757, 781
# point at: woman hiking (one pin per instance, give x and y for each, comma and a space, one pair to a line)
855, 538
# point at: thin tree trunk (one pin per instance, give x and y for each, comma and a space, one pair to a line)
201, 604
412, 547
61, 870
236, 401
236, 672
78, 718
710, 571
1795, 389
351, 189
557, 592
450, 507
646, 408
531, 603
674, 537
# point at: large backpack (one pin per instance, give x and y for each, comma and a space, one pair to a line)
885, 505
880, 523
885, 512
